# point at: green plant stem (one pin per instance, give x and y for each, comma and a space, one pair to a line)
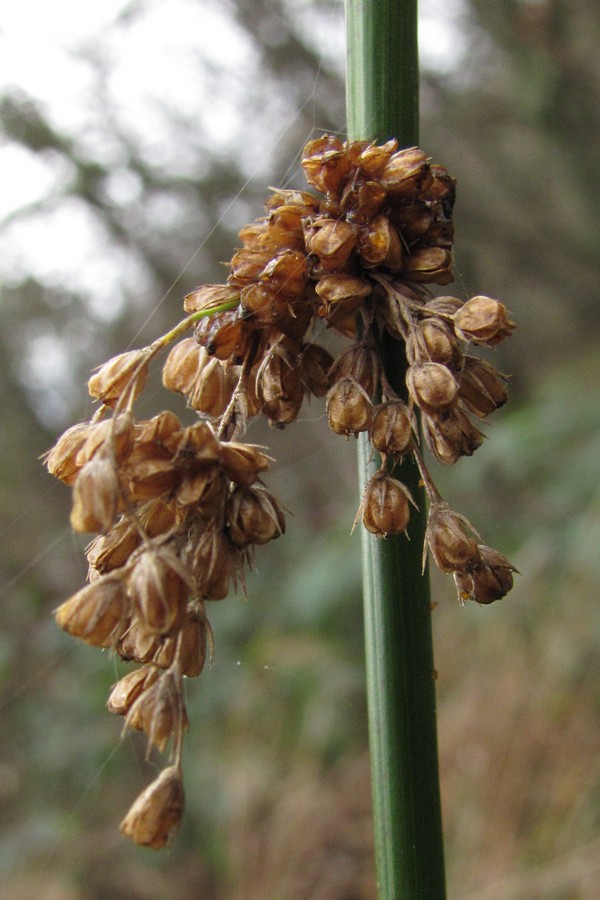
382, 102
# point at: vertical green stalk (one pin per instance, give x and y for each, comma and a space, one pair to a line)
382, 102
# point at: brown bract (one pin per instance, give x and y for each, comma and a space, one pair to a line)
157, 812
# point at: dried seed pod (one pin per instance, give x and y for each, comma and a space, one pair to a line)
407, 172
432, 340
204, 488
156, 517
391, 428
429, 265
413, 218
254, 516
214, 564
361, 363
137, 643
111, 551
315, 363
198, 445
451, 539
482, 388
96, 496
489, 578
379, 245
243, 463
341, 294
210, 296
96, 613
225, 335
286, 273
159, 587
482, 320
158, 710
279, 388
432, 386
262, 305
332, 241
326, 164
126, 691
450, 435
61, 460
123, 375
363, 201
385, 505
373, 159
157, 812
348, 407
189, 646
291, 197
182, 366
150, 477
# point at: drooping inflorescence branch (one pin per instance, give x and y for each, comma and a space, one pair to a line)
178, 510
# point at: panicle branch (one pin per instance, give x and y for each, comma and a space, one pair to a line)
177, 510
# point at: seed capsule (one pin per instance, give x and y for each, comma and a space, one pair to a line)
158, 710
124, 375
450, 435
214, 564
483, 320
61, 460
159, 587
482, 388
430, 265
332, 240
407, 171
254, 516
391, 428
348, 407
243, 463
126, 691
96, 612
385, 505
432, 386
326, 164
96, 496
157, 812
315, 363
450, 538
489, 579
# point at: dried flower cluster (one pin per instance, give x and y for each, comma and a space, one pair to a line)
178, 510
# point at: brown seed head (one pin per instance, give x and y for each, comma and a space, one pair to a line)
489, 578
254, 516
126, 691
332, 241
407, 172
96, 613
182, 365
279, 388
373, 159
430, 265
432, 386
450, 435
158, 710
391, 428
451, 538
243, 463
432, 340
189, 646
157, 812
122, 376
315, 363
482, 388
385, 505
159, 587
348, 407
326, 164
214, 563
379, 245
210, 296
483, 320
111, 551
61, 459
96, 496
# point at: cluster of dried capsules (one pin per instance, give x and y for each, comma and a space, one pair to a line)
178, 509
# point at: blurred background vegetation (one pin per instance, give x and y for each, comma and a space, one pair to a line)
125, 186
